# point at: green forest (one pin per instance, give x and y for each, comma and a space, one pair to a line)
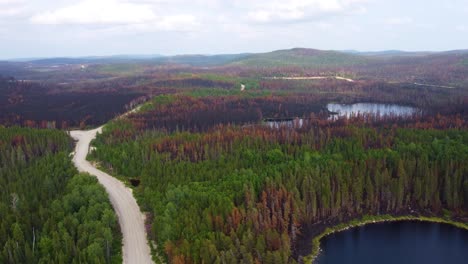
234, 192
231, 158
49, 213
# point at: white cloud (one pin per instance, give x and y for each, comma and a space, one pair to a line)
298, 10
97, 12
398, 21
136, 15
181, 23
184, 15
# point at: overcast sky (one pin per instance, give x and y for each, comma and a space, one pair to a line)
48, 28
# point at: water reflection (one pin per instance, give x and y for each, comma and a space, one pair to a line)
348, 110
285, 122
371, 108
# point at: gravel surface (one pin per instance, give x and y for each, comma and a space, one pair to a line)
135, 244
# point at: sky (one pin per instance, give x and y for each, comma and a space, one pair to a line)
56, 28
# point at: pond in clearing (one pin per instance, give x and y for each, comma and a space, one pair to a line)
397, 242
371, 108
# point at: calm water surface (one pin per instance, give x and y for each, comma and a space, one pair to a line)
371, 108
398, 242
349, 110
297, 122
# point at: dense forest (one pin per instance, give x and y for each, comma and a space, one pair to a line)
230, 192
49, 213
219, 183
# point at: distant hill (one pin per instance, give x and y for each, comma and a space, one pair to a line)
95, 59
193, 60
390, 53
401, 53
456, 52
202, 60
302, 57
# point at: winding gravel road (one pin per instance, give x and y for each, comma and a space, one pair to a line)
135, 245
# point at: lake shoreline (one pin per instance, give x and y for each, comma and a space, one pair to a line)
367, 220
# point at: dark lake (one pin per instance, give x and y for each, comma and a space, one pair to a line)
371, 108
398, 242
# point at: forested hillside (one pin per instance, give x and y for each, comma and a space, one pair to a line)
235, 192
48, 212
236, 158
302, 57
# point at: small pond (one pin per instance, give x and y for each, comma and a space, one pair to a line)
396, 242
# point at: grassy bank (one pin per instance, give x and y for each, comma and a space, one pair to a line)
372, 220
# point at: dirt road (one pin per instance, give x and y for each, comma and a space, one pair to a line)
135, 245
432, 85
311, 78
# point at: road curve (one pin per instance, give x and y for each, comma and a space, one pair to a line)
135, 245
